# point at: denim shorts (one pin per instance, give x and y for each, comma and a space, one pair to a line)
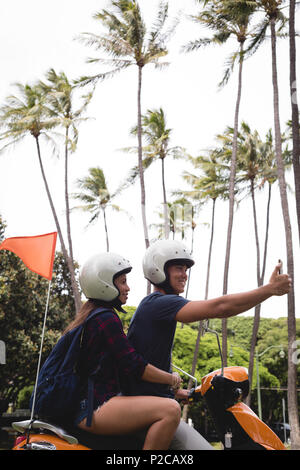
82, 412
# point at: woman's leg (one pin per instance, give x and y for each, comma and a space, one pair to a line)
123, 415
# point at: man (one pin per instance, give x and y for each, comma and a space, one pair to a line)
153, 325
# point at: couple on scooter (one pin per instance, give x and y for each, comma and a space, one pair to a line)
135, 391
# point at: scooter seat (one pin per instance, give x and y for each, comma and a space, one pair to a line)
22, 426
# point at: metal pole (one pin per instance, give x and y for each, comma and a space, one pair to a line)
258, 387
40, 354
258, 383
283, 413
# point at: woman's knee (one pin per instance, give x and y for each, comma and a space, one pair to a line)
173, 410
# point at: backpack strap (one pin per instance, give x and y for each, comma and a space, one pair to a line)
90, 401
90, 398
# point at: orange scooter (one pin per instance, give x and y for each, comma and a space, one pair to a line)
238, 427
42, 435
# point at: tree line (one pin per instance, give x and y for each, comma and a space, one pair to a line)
244, 161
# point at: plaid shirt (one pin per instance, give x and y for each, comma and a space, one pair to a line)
105, 341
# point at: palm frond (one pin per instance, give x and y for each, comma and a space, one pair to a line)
195, 45
259, 36
93, 79
230, 63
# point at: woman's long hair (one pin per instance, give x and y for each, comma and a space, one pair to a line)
91, 305
83, 313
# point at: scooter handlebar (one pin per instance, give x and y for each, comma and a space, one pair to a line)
194, 395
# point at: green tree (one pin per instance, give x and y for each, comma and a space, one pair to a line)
129, 43
96, 197
28, 114
23, 297
59, 94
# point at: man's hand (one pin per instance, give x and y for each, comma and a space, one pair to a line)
176, 381
183, 396
280, 284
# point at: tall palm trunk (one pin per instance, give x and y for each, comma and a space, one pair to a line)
68, 223
259, 283
231, 201
166, 216
140, 165
292, 368
260, 280
295, 111
200, 325
210, 247
62, 243
106, 230
140, 159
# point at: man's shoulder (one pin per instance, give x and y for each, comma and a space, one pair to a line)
151, 297
161, 304
159, 297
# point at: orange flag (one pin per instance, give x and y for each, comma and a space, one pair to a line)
36, 252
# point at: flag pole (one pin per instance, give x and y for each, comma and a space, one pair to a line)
40, 353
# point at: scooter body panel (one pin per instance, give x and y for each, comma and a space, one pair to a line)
48, 436
238, 427
47, 442
255, 428
234, 374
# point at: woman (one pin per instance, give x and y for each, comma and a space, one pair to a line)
104, 283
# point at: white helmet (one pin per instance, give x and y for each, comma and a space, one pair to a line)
97, 276
161, 252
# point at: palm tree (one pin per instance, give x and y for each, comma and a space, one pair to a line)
59, 93
295, 110
230, 18
28, 114
157, 136
96, 197
129, 43
274, 16
210, 185
256, 166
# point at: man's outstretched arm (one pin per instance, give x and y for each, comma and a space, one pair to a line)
233, 304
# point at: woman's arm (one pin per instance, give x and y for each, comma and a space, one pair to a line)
233, 304
153, 374
129, 361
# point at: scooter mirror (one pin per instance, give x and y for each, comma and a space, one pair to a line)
208, 330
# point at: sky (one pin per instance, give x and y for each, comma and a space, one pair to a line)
36, 37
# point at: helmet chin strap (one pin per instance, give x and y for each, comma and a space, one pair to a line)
115, 303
